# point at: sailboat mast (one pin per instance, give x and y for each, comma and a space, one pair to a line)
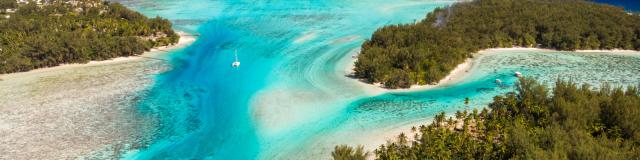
236, 63
236, 55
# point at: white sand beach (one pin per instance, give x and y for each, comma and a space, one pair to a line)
185, 40
464, 69
381, 136
76, 110
457, 74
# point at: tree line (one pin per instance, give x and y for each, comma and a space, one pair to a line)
399, 56
60, 31
566, 122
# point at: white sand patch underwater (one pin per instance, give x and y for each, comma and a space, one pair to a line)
306, 36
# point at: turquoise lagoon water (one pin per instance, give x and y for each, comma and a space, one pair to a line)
291, 98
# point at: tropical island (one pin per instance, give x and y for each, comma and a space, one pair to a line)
575, 122
399, 56
38, 34
536, 121
291, 100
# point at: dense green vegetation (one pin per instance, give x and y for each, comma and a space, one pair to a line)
7, 4
344, 152
572, 123
425, 52
64, 31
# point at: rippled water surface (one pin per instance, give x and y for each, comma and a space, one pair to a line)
291, 97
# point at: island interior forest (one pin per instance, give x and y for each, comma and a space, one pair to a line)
399, 56
36, 35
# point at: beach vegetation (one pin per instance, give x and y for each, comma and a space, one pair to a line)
60, 31
566, 122
344, 152
7, 4
399, 56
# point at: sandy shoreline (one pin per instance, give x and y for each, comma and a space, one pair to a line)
459, 73
77, 111
185, 40
463, 70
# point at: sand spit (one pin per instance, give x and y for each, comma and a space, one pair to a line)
154, 54
457, 74
77, 110
463, 70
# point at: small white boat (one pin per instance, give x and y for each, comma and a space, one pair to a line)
498, 81
236, 63
518, 74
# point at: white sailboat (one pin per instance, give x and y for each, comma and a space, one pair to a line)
236, 63
518, 74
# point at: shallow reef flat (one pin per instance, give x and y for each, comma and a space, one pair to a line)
596, 68
72, 112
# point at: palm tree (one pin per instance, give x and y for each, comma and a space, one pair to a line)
403, 139
439, 119
459, 115
450, 122
344, 152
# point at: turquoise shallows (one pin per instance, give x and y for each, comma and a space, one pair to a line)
291, 98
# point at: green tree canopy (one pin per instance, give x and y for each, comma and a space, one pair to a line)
425, 52
64, 32
574, 122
